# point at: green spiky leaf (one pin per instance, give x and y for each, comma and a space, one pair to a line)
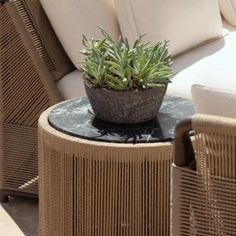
118, 66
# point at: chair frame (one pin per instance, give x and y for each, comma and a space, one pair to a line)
204, 177
27, 88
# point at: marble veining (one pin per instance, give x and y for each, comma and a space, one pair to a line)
75, 117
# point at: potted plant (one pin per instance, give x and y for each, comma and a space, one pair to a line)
125, 84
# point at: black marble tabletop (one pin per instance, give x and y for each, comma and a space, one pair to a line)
76, 118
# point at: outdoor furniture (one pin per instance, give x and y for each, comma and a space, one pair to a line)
204, 177
98, 178
31, 60
36, 73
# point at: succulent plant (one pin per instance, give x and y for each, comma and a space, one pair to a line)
118, 66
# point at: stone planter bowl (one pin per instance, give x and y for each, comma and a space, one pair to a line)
125, 107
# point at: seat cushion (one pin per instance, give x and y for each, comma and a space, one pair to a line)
71, 19
213, 64
185, 23
213, 101
228, 10
71, 85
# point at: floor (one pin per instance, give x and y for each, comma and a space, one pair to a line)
19, 217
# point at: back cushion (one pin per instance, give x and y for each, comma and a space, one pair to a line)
228, 10
73, 18
214, 101
185, 23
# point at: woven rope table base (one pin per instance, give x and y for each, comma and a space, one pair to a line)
105, 189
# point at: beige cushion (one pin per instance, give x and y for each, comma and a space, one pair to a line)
7, 225
185, 23
213, 101
228, 10
213, 64
73, 18
71, 85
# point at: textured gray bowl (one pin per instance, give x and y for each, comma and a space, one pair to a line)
125, 107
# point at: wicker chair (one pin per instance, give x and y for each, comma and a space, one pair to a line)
204, 187
31, 61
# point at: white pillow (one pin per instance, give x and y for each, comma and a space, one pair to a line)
71, 19
228, 10
185, 23
214, 101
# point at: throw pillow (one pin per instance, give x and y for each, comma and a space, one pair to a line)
185, 23
214, 101
228, 10
71, 19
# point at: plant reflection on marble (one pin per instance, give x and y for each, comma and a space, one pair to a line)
130, 133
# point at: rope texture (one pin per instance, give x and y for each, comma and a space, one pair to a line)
204, 201
26, 90
94, 188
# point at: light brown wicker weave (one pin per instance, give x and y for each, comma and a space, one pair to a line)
95, 188
204, 200
27, 74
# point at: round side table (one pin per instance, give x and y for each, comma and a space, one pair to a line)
116, 184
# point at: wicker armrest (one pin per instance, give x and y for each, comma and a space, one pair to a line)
27, 88
184, 154
204, 198
209, 131
26, 83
